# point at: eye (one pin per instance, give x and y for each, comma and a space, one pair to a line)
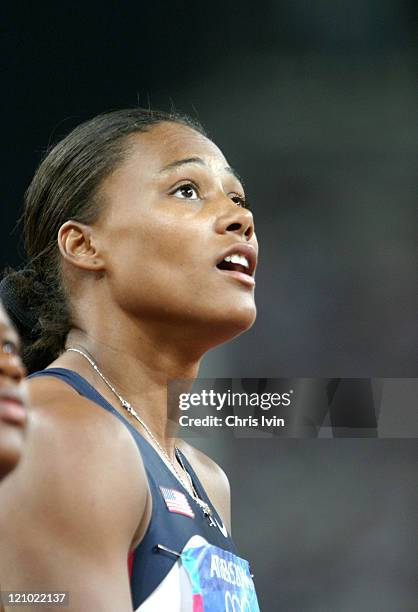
240, 201
9, 347
186, 192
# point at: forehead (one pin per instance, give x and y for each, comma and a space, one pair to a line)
168, 142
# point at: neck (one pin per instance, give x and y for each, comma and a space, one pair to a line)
139, 370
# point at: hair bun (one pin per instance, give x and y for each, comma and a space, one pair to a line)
18, 292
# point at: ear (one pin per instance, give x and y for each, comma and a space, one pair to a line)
77, 246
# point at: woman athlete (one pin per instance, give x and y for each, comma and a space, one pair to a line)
141, 257
12, 397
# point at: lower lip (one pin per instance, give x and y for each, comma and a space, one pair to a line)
12, 412
245, 279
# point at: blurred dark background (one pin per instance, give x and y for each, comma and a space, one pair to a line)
314, 102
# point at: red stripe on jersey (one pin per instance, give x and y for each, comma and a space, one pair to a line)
198, 603
130, 563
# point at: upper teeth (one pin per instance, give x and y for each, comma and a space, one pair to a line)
237, 259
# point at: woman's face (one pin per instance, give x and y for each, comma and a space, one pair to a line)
12, 397
174, 212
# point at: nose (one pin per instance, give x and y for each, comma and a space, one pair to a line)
237, 220
11, 369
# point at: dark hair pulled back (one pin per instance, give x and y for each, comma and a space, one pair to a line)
64, 187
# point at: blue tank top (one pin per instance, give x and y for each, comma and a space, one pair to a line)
175, 519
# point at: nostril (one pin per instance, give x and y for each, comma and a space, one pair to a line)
233, 227
249, 231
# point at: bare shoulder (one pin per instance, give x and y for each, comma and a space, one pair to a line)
71, 507
78, 460
213, 478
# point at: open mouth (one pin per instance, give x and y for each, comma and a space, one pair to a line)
236, 262
239, 261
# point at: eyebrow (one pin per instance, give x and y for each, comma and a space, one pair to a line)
197, 160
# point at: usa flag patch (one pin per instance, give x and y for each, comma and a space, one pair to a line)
176, 502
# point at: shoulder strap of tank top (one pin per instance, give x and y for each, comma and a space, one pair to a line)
84, 388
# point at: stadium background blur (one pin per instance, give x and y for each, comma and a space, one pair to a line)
314, 103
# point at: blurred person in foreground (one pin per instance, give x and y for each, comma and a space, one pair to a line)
12, 397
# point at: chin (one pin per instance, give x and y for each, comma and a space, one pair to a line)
233, 322
11, 444
245, 317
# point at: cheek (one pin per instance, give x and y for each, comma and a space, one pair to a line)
154, 262
166, 269
11, 445
164, 247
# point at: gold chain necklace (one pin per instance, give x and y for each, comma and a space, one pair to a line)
162, 452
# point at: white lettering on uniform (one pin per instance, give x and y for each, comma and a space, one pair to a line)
224, 570
214, 566
231, 567
230, 572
